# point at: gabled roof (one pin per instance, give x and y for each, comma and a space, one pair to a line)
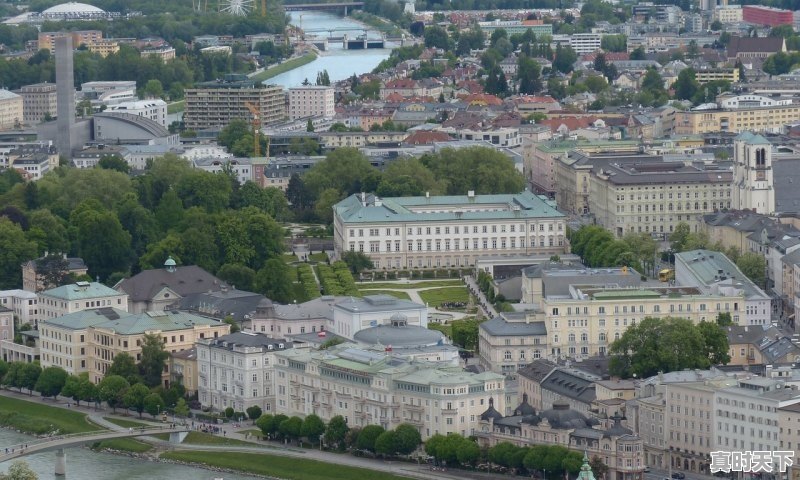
184, 281
769, 45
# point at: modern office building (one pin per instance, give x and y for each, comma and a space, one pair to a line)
512, 27
766, 16
311, 101
215, 104
446, 231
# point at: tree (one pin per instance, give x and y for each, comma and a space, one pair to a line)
124, 365
312, 428
101, 240
754, 266
240, 276
112, 389
529, 76
436, 37
27, 376
638, 53
565, 58
274, 281
51, 381
480, 169
335, 432
253, 412
153, 359
679, 236
716, 342
135, 398
408, 438
686, 86
468, 453
368, 436
153, 89
53, 270
16, 250
19, 470
291, 428
309, 126
357, 262
599, 468
229, 411
182, 408
724, 319
153, 404
114, 162
715, 26
386, 443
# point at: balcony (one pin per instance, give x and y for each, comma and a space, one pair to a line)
449, 411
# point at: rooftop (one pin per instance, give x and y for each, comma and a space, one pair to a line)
499, 326
125, 323
711, 268
80, 291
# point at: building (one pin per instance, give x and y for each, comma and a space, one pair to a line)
742, 48
23, 303
104, 47
6, 323
38, 102
241, 168
509, 342
760, 345
789, 434
766, 16
415, 232
753, 185
354, 314
215, 104
159, 289
164, 52
238, 371
88, 341
512, 27
726, 74
79, 37
65, 92
550, 279
79, 296
713, 273
728, 14
313, 316
183, 370
33, 272
377, 388
311, 101
154, 109
410, 342
11, 110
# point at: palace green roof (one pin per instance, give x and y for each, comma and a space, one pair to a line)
80, 291
125, 323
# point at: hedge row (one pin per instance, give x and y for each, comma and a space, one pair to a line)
306, 277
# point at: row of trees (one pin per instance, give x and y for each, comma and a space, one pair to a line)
598, 248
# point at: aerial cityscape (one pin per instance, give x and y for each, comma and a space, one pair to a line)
400, 239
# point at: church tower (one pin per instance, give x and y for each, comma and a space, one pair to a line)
752, 187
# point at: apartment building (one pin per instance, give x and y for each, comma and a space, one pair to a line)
38, 102
725, 74
770, 119
154, 109
88, 341
789, 434
77, 297
164, 52
215, 104
333, 140
376, 388
444, 231
728, 14
767, 16
311, 101
11, 110
79, 37
237, 371
104, 47
509, 342
715, 274
6, 323
537, 27
34, 281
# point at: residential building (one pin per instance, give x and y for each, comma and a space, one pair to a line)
104, 47
766, 16
412, 232
79, 296
311, 101
537, 27
183, 369
33, 272
154, 109
732, 228
6, 323
313, 316
760, 345
160, 289
726, 74
11, 110
138, 157
728, 14
241, 168
79, 37
164, 52
238, 371
333, 140
38, 102
215, 104
88, 341
561, 384
23, 303
32, 167
714, 273
509, 342
789, 434
377, 388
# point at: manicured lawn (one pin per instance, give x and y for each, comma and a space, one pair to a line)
284, 67
318, 257
404, 285
281, 467
126, 423
39, 419
176, 107
436, 296
200, 438
400, 295
289, 257
123, 444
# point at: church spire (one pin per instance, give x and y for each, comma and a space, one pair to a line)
586, 471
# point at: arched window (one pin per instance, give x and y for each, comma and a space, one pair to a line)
507, 355
571, 337
584, 337
602, 337
616, 336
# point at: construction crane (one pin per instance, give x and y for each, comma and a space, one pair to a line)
256, 127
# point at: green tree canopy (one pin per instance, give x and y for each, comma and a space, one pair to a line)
112, 390
754, 266
335, 432
368, 436
312, 428
51, 381
480, 169
134, 398
153, 359
16, 250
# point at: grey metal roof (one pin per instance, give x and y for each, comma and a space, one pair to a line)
80, 290
126, 323
183, 281
571, 384
705, 265
236, 303
248, 339
537, 370
376, 303
318, 308
400, 336
499, 326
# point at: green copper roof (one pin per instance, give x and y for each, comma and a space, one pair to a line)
80, 291
126, 323
625, 293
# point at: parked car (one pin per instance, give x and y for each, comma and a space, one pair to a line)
678, 476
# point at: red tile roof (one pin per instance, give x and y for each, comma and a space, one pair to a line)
426, 137
482, 98
572, 123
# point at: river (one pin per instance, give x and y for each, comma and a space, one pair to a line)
84, 464
339, 63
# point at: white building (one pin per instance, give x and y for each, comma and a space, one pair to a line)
713, 273
154, 109
584, 43
377, 388
750, 101
205, 151
355, 314
242, 168
23, 303
77, 297
311, 101
753, 184
415, 232
237, 371
728, 13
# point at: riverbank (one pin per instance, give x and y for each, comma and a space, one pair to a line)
37, 419
284, 67
381, 24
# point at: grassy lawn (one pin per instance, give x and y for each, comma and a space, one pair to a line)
436, 296
318, 257
123, 444
39, 419
404, 285
289, 257
176, 107
281, 467
284, 67
255, 432
447, 330
126, 423
400, 295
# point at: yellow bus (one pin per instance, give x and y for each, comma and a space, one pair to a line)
666, 275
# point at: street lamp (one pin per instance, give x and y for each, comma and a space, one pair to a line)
320, 441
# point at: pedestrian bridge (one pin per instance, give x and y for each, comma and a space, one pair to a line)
60, 442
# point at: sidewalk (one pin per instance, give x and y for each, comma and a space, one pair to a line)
484, 304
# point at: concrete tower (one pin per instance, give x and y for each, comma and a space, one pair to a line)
752, 174
65, 93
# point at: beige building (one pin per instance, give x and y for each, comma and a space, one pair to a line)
77, 297
727, 74
35, 282
104, 47
11, 110
79, 37
311, 101
375, 388
333, 140
38, 102
770, 119
728, 13
445, 231
789, 435
509, 342
164, 52
215, 104
88, 341
183, 369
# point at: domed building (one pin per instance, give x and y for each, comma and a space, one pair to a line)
410, 341
75, 11
615, 444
